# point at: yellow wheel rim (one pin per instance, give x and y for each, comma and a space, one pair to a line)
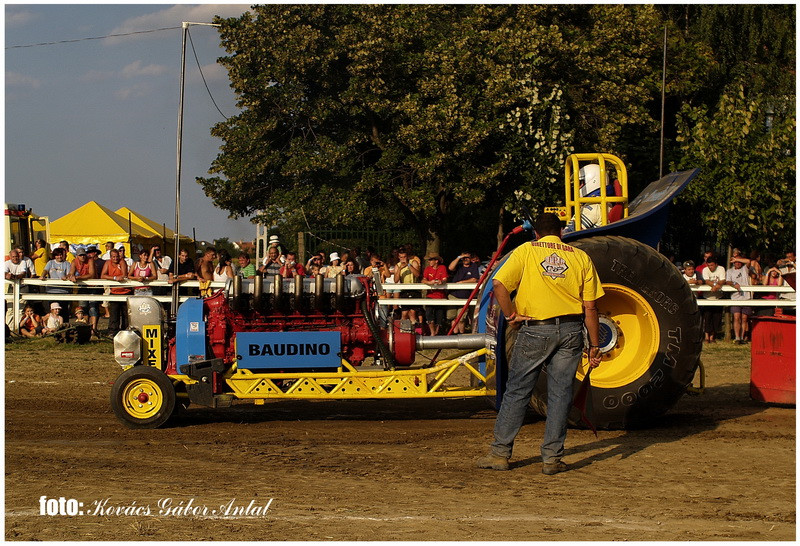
142, 398
638, 338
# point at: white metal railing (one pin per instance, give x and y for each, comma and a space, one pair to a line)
16, 294
758, 289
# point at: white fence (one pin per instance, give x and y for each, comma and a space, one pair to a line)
16, 293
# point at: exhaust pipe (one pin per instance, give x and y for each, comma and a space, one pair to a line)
319, 288
459, 341
237, 287
258, 290
277, 291
340, 293
298, 293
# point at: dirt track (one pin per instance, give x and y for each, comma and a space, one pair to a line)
717, 467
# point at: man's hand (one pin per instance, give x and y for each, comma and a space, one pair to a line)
516, 320
593, 353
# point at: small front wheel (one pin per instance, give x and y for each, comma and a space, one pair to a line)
143, 397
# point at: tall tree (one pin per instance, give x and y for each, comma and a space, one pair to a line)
746, 191
401, 114
739, 125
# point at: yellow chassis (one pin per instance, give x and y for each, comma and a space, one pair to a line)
349, 382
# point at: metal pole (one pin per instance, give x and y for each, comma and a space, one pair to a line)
663, 86
185, 27
174, 306
16, 303
130, 236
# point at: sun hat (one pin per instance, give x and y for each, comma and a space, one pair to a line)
55, 305
334, 256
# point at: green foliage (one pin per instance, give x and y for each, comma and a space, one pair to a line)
437, 118
396, 115
746, 191
224, 244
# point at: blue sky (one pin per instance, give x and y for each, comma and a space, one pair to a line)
97, 119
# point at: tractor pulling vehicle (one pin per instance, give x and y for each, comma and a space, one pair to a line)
321, 338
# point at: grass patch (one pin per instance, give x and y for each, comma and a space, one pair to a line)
725, 353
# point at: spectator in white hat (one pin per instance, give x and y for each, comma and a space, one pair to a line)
121, 248
274, 242
53, 320
336, 266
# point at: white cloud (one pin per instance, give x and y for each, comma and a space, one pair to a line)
97, 75
15, 78
18, 18
213, 72
174, 16
135, 70
134, 91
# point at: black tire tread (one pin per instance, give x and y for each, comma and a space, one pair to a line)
604, 248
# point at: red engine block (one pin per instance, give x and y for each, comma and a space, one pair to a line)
223, 322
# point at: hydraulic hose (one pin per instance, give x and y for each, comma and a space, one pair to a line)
388, 358
495, 257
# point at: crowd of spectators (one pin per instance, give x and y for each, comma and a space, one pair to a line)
401, 266
741, 272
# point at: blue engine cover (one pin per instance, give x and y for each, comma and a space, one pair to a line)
190, 332
288, 350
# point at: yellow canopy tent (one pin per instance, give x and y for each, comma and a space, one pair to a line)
165, 235
95, 224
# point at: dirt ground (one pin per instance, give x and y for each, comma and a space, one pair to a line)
717, 467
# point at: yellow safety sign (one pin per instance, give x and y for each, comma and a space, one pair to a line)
152, 344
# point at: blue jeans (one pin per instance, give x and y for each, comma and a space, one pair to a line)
558, 347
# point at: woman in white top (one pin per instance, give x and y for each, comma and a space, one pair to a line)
224, 270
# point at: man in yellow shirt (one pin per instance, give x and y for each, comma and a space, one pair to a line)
557, 286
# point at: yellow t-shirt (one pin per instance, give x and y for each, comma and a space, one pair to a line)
551, 278
40, 259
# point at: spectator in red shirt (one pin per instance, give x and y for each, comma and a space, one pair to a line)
706, 255
434, 275
291, 267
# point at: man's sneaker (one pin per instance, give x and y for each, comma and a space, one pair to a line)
495, 462
554, 468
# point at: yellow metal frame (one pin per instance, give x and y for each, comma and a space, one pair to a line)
572, 186
349, 382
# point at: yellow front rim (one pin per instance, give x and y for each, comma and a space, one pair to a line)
637, 343
142, 398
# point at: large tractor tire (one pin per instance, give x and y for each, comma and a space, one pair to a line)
143, 397
650, 332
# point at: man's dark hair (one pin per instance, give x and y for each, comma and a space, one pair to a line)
244, 255
210, 249
712, 259
547, 224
